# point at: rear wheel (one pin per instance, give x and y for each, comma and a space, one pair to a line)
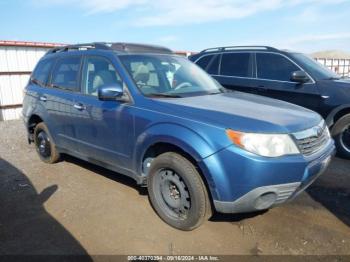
341, 135
177, 192
44, 145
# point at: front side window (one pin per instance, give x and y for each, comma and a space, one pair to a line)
235, 64
314, 68
66, 73
98, 72
168, 75
41, 73
274, 67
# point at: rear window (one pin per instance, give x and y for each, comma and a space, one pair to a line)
235, 64
66, 72
41, 73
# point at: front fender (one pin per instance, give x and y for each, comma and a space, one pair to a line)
185, 138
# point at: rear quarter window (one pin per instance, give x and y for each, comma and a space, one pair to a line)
42, 71
204, 61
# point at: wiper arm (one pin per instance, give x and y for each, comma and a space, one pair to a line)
215, 93
162, 95
332, 78
34, 81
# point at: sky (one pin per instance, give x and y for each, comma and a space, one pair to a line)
192, 25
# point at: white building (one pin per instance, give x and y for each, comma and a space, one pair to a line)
17, 60
337, 61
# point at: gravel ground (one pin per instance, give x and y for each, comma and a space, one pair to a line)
74, 207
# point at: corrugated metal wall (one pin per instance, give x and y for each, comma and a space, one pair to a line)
16, 64
340, 66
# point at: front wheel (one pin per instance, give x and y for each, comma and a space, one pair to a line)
341, 135
177, 192
44, 145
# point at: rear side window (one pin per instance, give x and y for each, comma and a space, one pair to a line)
235, 64
66, 73
274, 67
204, 61
41, 73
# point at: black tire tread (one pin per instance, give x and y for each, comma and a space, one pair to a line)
55, 155
204, 211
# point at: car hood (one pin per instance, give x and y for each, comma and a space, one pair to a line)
344, 82
241, 112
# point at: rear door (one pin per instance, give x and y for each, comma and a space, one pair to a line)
273, 72
60, 102
236, 71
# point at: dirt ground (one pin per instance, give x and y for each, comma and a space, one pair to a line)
74, 207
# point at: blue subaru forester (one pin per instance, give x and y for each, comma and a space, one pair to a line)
147, 113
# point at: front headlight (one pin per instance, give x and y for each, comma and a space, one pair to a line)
269, 145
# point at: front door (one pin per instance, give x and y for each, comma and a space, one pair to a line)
274, 72
105, 130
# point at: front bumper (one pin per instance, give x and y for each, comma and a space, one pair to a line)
249, 183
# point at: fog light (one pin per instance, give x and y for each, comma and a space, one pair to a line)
265, 201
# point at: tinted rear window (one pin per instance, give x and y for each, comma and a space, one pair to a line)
274, 67
66, 72
235, 64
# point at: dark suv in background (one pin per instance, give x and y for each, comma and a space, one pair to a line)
284, 75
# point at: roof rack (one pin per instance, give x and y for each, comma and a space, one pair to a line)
228, 48
78, 47
120, 47
140, 48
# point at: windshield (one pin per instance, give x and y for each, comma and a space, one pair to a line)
314, 68
169, 76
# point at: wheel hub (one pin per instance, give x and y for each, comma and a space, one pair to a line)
174, 194
43, 144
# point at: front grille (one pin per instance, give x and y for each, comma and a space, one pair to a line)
312, 140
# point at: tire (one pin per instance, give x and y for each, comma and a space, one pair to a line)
341, 135
177, 192
44, 145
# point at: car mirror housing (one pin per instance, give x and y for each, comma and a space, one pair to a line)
112, 92
299, 77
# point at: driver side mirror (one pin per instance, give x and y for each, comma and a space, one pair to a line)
112, 92
299, 77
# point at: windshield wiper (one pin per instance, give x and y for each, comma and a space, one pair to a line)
162, 95
332, 78
215, 93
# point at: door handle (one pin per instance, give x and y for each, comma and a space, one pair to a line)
79, 106
43, 98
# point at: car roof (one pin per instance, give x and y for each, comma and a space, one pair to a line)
241, 48
229, 49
